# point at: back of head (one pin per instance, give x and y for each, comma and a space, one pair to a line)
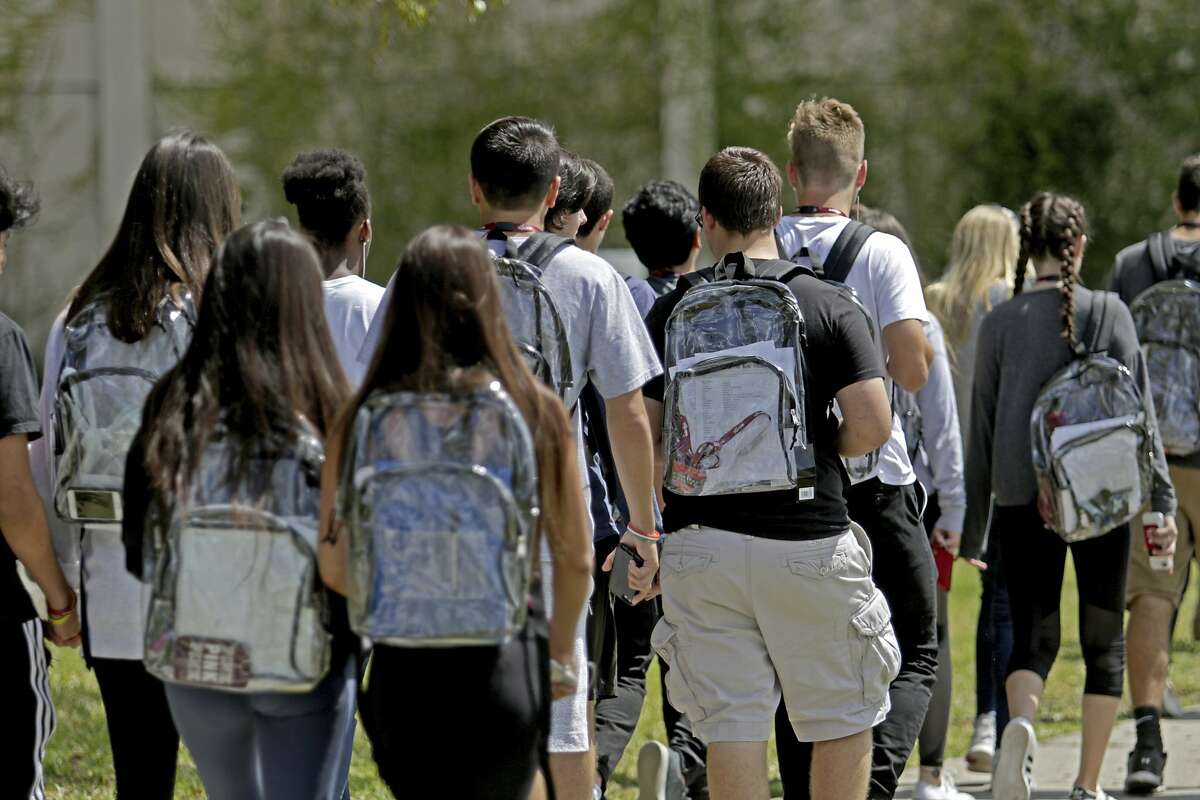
983, 250
183, 203
740, 187
660, 224
600, 200
1051, 225
260, 357
514, 160
827, 142
329, 190
574, 191
1188, 190
18, 202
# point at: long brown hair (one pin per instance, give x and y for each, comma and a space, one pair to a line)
445, 329
183, 203
261, 356
1051, 224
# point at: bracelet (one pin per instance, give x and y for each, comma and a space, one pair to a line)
649, 537
60, 616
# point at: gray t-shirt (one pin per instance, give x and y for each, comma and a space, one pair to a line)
1020, 349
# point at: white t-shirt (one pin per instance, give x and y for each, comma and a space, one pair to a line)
885, 279
350, 305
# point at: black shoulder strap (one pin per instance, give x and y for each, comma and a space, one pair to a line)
1162, 253
845, 250
541, 247
1098, 324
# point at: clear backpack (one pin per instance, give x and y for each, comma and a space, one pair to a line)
439, 499
735, 414
532, 316
237, 603
1092, 443
102, 388
1167, 318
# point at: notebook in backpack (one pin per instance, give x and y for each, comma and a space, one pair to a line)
1091, 443
439, 500
102, 388
735, 416
835, 269
1167, 318
532, 315
237, 603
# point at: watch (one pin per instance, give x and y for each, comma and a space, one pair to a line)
562, 674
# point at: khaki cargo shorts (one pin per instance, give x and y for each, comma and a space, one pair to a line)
1143, 580
747, 620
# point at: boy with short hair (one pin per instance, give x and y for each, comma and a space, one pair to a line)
661, 225
598, 208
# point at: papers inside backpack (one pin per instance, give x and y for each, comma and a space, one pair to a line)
782, 357
1105, 479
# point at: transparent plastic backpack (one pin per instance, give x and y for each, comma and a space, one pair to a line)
1167, 318
439, 500
237, 603
1092, 444
735, 417
102, 388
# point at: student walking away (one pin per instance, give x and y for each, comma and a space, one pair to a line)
827, 170
1160, 280
755, 505
222, 497
444, 473
25, 540
930, 421
661, 225
978, 277
577, 182
598, 210
329, 190
1064, 436
127, 324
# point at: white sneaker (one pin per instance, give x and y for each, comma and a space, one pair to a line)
983, 743
1014, 774
945, 791
1079, 793
653, 762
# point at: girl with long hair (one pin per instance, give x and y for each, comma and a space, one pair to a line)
184, 202
260, 375
445, 332
1023, 343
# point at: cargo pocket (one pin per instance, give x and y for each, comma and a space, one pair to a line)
881, 653
665, 641
684, 560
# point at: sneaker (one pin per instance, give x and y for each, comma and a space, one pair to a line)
1080, 793
945, 791
660, 773
983, 743
1013, 779
1146, 762
1171, 707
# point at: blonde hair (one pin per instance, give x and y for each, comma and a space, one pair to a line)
983, 251
827, 139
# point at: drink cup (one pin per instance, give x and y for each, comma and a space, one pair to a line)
1159, 561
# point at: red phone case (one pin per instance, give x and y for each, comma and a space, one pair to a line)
944, 560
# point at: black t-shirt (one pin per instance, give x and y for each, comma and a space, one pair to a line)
840, 351
18, 416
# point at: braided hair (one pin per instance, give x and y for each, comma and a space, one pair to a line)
1051, 224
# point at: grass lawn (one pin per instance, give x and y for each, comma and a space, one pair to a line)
79, 765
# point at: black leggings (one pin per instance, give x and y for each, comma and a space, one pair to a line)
145, 743
1034, 559
416, 702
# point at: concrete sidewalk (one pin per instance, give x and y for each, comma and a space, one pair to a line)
1057, 759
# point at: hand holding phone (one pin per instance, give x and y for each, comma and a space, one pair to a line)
618, 578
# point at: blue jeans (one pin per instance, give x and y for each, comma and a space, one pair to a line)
270, 746
993, 640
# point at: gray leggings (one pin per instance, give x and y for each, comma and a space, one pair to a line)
932, 742
269, 746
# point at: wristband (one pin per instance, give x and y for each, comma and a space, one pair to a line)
59, 616
649, 537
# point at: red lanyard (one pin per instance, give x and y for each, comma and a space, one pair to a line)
810, 211
511, 227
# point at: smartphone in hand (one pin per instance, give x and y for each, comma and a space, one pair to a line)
618, 579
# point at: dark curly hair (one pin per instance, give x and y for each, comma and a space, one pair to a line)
329, 190
660, 224
18, 202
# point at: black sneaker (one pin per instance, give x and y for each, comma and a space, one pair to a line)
1146, 763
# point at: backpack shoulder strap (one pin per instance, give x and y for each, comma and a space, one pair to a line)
845, 250
1098, 323
541, 247
1162, 251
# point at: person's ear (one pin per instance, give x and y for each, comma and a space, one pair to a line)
476, 190
365, 231
860, 179
697, 243
793, 176
552, 192
1080, 246
605, 220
